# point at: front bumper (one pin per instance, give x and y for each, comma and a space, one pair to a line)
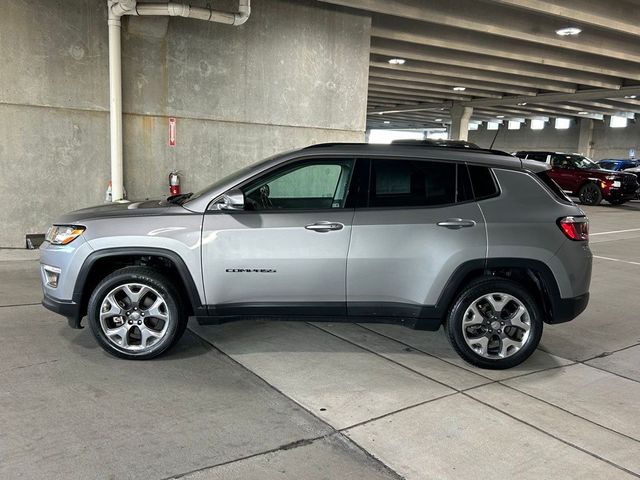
566, 309
68, 309
622, 193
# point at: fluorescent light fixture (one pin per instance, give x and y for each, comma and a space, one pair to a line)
499, 116
568, 31
562, 123
522, 104
630, 96
459, 89
438, 120
397, 61
387, 121
537, 124
473, 126
617, 122
493, 125
513, 125
583, 113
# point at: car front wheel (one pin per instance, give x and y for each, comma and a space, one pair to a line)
590, 194
135, 313
495, 324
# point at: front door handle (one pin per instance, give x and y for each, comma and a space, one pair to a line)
323, 227
456, 223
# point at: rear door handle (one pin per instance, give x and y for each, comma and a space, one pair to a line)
323, 227
456, 223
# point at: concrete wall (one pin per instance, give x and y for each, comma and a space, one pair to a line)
294, 74
607, 142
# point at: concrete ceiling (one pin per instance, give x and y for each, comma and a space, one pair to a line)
507, 56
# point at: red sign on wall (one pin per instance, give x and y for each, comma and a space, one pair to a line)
172, 132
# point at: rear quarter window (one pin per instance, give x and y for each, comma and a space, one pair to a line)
482, 182
553, 186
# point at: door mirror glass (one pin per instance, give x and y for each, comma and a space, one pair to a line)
232, 200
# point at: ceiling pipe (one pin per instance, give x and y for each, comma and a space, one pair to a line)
116, 10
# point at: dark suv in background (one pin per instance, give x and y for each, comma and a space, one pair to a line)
580, 177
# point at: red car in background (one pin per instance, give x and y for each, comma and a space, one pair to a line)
580, 177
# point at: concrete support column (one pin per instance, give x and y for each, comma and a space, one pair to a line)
460, 122
585, 140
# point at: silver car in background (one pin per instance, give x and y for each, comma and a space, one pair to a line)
478, 241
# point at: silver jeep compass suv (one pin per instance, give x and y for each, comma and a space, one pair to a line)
477, 240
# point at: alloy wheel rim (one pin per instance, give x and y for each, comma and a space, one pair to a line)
134, 317
496, 325
589, 195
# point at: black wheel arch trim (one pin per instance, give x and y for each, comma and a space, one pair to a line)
561, 309
80, 296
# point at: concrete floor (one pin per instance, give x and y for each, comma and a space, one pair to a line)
285, 400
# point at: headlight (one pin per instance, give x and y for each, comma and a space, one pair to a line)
63, 234
610, 177
616, 184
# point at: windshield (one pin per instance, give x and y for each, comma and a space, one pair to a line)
574, 161
232, 178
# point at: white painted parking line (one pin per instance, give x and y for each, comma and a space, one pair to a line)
615, 231
616, 260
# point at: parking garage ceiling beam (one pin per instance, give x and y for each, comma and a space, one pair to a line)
399, 102
592, 94
475, 16
425, 87
401, 93
533, 111
511, 114
500, 65
413, 108
614, 105
412, 78
412, 31
618, 15
595, 107
456, 75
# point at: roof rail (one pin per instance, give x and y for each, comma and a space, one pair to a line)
468, 147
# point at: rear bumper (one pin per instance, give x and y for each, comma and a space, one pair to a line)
566, 309
68, 309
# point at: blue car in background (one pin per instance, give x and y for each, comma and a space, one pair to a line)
630, 166
618, 165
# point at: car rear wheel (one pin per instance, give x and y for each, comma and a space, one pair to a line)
494, 324
590, 194
135, 313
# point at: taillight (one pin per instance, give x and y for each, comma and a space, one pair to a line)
575, 228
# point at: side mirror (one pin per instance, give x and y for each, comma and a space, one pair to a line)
232, 200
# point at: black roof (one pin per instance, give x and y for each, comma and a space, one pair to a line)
490, 158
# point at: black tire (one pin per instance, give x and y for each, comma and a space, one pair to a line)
590, 194
177, 318
486, 286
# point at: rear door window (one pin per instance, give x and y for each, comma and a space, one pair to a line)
411, 183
